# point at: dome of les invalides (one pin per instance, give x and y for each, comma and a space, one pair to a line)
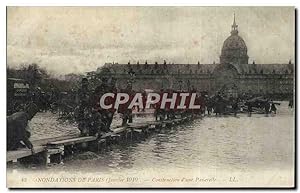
234, 50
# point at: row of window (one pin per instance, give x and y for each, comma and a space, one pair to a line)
166, 71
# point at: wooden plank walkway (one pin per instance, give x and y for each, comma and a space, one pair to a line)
50, 146
168, 121
137, 125
115, 132
177, 120
45, 141
73, 141
138, 130
24, 152
119, 130
154, 122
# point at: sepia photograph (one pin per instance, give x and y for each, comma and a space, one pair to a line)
150, 97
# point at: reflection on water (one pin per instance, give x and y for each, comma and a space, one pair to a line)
235, 144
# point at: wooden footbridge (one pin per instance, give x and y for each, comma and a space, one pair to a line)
55, 150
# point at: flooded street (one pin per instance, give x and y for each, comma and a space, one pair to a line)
119, 97
211, 145
242, 150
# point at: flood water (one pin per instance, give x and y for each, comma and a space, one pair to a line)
221, 151
211, 144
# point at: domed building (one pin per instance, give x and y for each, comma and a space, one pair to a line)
234, 50
233, 76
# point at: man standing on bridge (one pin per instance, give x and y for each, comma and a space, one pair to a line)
84, 109
124, 110
18, 129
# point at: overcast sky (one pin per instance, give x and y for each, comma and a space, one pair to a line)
80, 39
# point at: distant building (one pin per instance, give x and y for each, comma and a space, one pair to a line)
232, 76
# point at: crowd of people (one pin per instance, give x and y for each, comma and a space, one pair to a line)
83, 106
94, 120
222, 105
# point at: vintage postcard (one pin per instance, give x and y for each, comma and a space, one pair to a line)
143, 97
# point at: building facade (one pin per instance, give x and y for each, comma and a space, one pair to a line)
234, 75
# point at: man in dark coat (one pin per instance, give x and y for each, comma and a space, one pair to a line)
84, 109
249, 104
123, 109
235, 106
110, 112
105, 115
267, 107
273, 108
17, 128
291, 103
